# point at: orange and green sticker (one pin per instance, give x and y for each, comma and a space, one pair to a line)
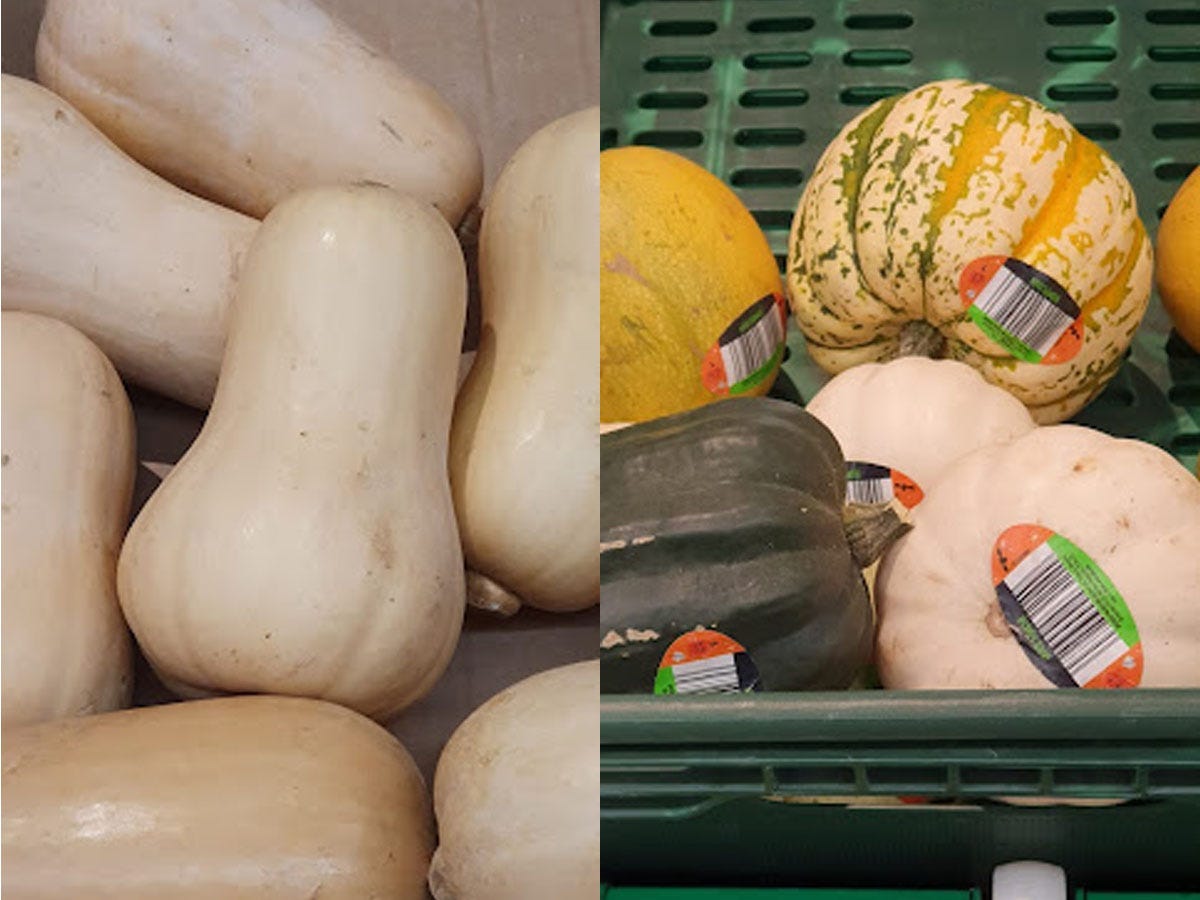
874, 485
1022, 309
749, 350
706, 662
1067, 615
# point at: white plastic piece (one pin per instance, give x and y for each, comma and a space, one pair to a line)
1029, 880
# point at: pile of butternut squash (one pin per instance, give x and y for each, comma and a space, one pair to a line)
244, 207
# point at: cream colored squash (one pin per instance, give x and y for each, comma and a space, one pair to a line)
525, 455
306, 543
263, 797
246, 101
517, 793
916, 414
144, 269
1129, 506
68, 464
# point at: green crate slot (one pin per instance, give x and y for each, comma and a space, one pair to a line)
755, 89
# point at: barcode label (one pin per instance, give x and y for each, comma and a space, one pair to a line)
870, 491
750, 351
715, 675
1023, 311
1074, 630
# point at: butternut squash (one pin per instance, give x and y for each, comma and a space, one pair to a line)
525, 455
263, 797
517, 793
144, 269
306, 543
68, 479
246, 101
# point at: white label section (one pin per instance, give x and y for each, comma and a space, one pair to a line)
715, 675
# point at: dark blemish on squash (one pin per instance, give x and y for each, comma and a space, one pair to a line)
997, 625
383, 543
4, 460
267, 636
304, 434
1123, 521
60, 116
1085, 464
391, 599
106, 393
390, 130
364, 425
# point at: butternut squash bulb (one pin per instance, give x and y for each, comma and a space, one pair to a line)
912, 417
272, 797
68, 464
524, 453
145, 270
958, 220
517, 793
246, 101
1063, 558
306, 543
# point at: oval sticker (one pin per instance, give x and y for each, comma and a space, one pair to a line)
706, 662
748, 350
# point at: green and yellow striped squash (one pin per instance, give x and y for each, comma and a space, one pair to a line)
919, 186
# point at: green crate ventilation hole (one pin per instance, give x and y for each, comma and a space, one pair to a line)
748, 93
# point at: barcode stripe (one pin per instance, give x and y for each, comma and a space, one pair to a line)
1074, 630
747, 354
1022, 311
706, 676
869, 491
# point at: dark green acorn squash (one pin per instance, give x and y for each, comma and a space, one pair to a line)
729, 518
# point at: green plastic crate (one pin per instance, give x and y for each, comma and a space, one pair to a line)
800, 789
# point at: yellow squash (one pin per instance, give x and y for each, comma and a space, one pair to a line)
1178, 269
684, 269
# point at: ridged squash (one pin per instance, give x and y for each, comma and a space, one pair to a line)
266, 797
691, 302
246, 101
145, 270
1063, 557
68, 478
306, 543
524, 454
959, 220
517, 793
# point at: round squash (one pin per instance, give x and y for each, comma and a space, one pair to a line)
961, 221
145, 270
271, 797
517, 793
524, 455
691, 303
914, 416
1065, 557
69, 465
724, 557
1177, 250
306, 543
246, 101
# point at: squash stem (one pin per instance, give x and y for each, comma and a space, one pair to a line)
871, 530
919, 338
490, 596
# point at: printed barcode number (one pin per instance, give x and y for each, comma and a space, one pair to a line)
751, 351
1022, 311
870, 491
1072, 627
717, 674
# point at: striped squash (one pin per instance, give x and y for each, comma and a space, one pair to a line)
894, 233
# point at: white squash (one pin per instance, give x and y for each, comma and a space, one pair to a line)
916, 414
306, 543
144, 269
263, 797
525, 454
517, 793
68, 479
1128, 506
246, 101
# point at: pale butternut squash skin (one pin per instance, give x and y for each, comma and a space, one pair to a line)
306, 543
69, 465
142, 268
517, 793
254, 797
246, 101
525, 453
